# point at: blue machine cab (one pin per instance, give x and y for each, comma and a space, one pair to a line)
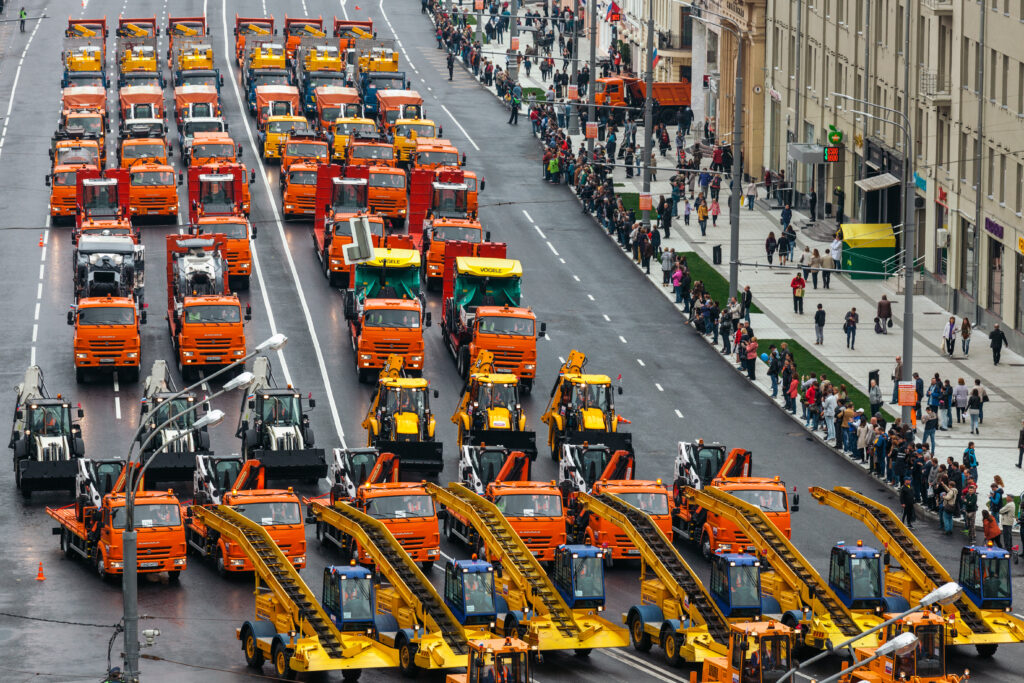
579, 575
985, 576
855, 574
348, 598
735, 585
469, 592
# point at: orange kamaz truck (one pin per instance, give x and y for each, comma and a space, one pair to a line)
215, 206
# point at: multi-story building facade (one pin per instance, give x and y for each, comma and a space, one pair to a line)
966, 76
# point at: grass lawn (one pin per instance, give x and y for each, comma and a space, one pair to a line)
630, 200
714, 282
807, 362
533, 93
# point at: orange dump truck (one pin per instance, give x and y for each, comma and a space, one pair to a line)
141, 102
624, 91
335, 102
92, 527
393, 105
70, 156
441, 232
195, 101
215, 207
298, 191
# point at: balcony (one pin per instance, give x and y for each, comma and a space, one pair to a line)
939, 7
674, 42
935, 87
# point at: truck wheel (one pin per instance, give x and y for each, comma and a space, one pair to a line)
222, 565
282, 664
641, 638
426, 566
351, 675
526, 385
253, 654
242, 283
705, 545
986, 649
101, 569
174, 576
670, 644
79, 375
131, 375
407, 657
65, 544
583, 651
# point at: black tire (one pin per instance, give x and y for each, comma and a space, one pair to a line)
986, 650
351, 674
321, 534
670, 644
79, 375
407, 657
705, 546
446, 527
131, 375
101, 569
583, 652
65, 544
641, 639
174, 576
222, 565
426, 566
253, 655
281, 659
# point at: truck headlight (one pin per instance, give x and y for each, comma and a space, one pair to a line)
81, 355
289, 207
402, 212
115, 565
180, 562
301, 559
365, 356
335, 262
416, 359
188, 354
237, 563
240, 352
133, 354
528, 366
433, 552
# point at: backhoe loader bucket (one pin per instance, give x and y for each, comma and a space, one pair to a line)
304, 464
417, 460
47, 475
513, 441
615, 441
172, 467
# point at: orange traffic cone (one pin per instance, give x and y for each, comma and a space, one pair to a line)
40, 239
40, 576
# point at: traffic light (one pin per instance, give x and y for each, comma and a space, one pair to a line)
361, 248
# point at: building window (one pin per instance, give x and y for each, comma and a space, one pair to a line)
965, 61
1005, 93
962, 159
1019, 317
686, 29
995, 280
899, 30
968, 276
992, 73
1019, 189
1002, 180
1020, 82
991, 173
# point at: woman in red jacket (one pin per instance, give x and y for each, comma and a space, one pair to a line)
751, 356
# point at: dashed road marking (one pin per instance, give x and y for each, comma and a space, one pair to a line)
552, 248
591, 297
679, 414
540, 232
576, 277
622, 339
641, 362
561, 360
528, 217
658, 386
35, 332
37, 311
562, 260
607, 319
117, 407
460, 127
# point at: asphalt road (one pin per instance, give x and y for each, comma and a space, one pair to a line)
675, 386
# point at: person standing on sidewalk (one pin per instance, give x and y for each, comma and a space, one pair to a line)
774, 368
751, 358
1020, 446
812, 199
702, 218
836, 250
751, 192
668, 259
797, 284
974, 410
850, 327
686, 212
949, 336
884, 313
770, 245
827, 265
715, 211
451, 65
907, 501
875, 397
970, 501
984, 399
996, 340
960, 397
725, 331
965, 336
897, 375
1007, 513
819, 326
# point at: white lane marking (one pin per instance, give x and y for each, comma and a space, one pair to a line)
117, 385
42, 268
460, 127
284, 243
607, 319
37, 311
14, 85
622, 339
561, 360
305, 12
528, 217
446, 556
642, 364
552, 248
42, 255
344, 10
658, 386
540, 232
32, 356
117, 407
562, 260
35, 332
39, 291
398, 40
576, 277
619, 657
679, 414
591, 297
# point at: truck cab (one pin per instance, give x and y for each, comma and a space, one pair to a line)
647, 496
855, 575
923, 662
46, 440
735, 585
409, 513
107, 336
349, 598
277, 129
63, 191
195, 102
698, 463
306, 148
432, 153
343, 130
297, 28
335, 102
323, 71
142, 150
198, 124
103, 201
386, 193
759, 652
534, 509
406, 132
394, 105
263, 77
578, 574
715, 533
372, 150
469, 592
141, 102
490, 412
373, 82
339, 199
298, 190
276, 100
985, 576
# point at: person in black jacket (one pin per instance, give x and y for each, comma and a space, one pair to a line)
819, 325
907, 501
996, 340
746, 300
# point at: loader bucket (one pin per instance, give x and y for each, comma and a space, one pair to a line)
171, 467
47, 475
513, 441
417, 460
616, 441
303, 464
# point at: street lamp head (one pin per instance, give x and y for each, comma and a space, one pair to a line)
901, 645
210, 419
241, 380
946, 594
275, 343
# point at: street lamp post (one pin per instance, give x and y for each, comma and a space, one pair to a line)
903, 644
574, 114
946, 594
129, 539
649, 111
591, 81
909, 239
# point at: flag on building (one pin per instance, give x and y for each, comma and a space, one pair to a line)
654, 62
614, 13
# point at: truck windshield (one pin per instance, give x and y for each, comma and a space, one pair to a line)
406, 400
775, 656
143, 151
100, 200
930, 651
166, 409
449, 202
373, 152
423, 130
317, 81
64, 179
91, 125
744, 586
302, 178
83, 78
356, 599
457, 232
287, 126
387, 82
392, 180
767, 500
391, 318
497, 396
50, 420
209, 150
257, 80
198, 79
280, 410
271, 514
217, 195
995, 578
592, 396
76, 155
143, 111
400, 507
233, 231
437, 158
153, 178
106, 315
651, 503
478, 589
213, 314
306, 149
342, 228
201, 109
519, 327
588, 577
350, 128
866, 573
149, 515
349, 196
193, 127
530, 505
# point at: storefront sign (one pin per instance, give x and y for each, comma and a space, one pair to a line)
922, 183
994, 228
1020, 244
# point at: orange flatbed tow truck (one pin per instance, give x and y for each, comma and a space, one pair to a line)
215, 207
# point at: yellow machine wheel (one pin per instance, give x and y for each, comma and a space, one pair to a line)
253, 654
671, 647
282, 665
641, 639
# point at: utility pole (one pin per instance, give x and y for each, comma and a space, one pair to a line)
513, 33
648, 110
864, 96
799, 93
909, 229
976, 275
737, 173
591, 109
574, 112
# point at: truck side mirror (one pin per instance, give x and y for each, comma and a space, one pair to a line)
248, 312
251, 404
620, 391
47, 176
435, 393
221, 81
181, 178
170, 152
795, 507
254, 230
143, 317
240, 150
442, 514
427, 319
71, 317
252, 176
543, 329
463, 159
483, 184
487, 236
312, 403
81, 413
